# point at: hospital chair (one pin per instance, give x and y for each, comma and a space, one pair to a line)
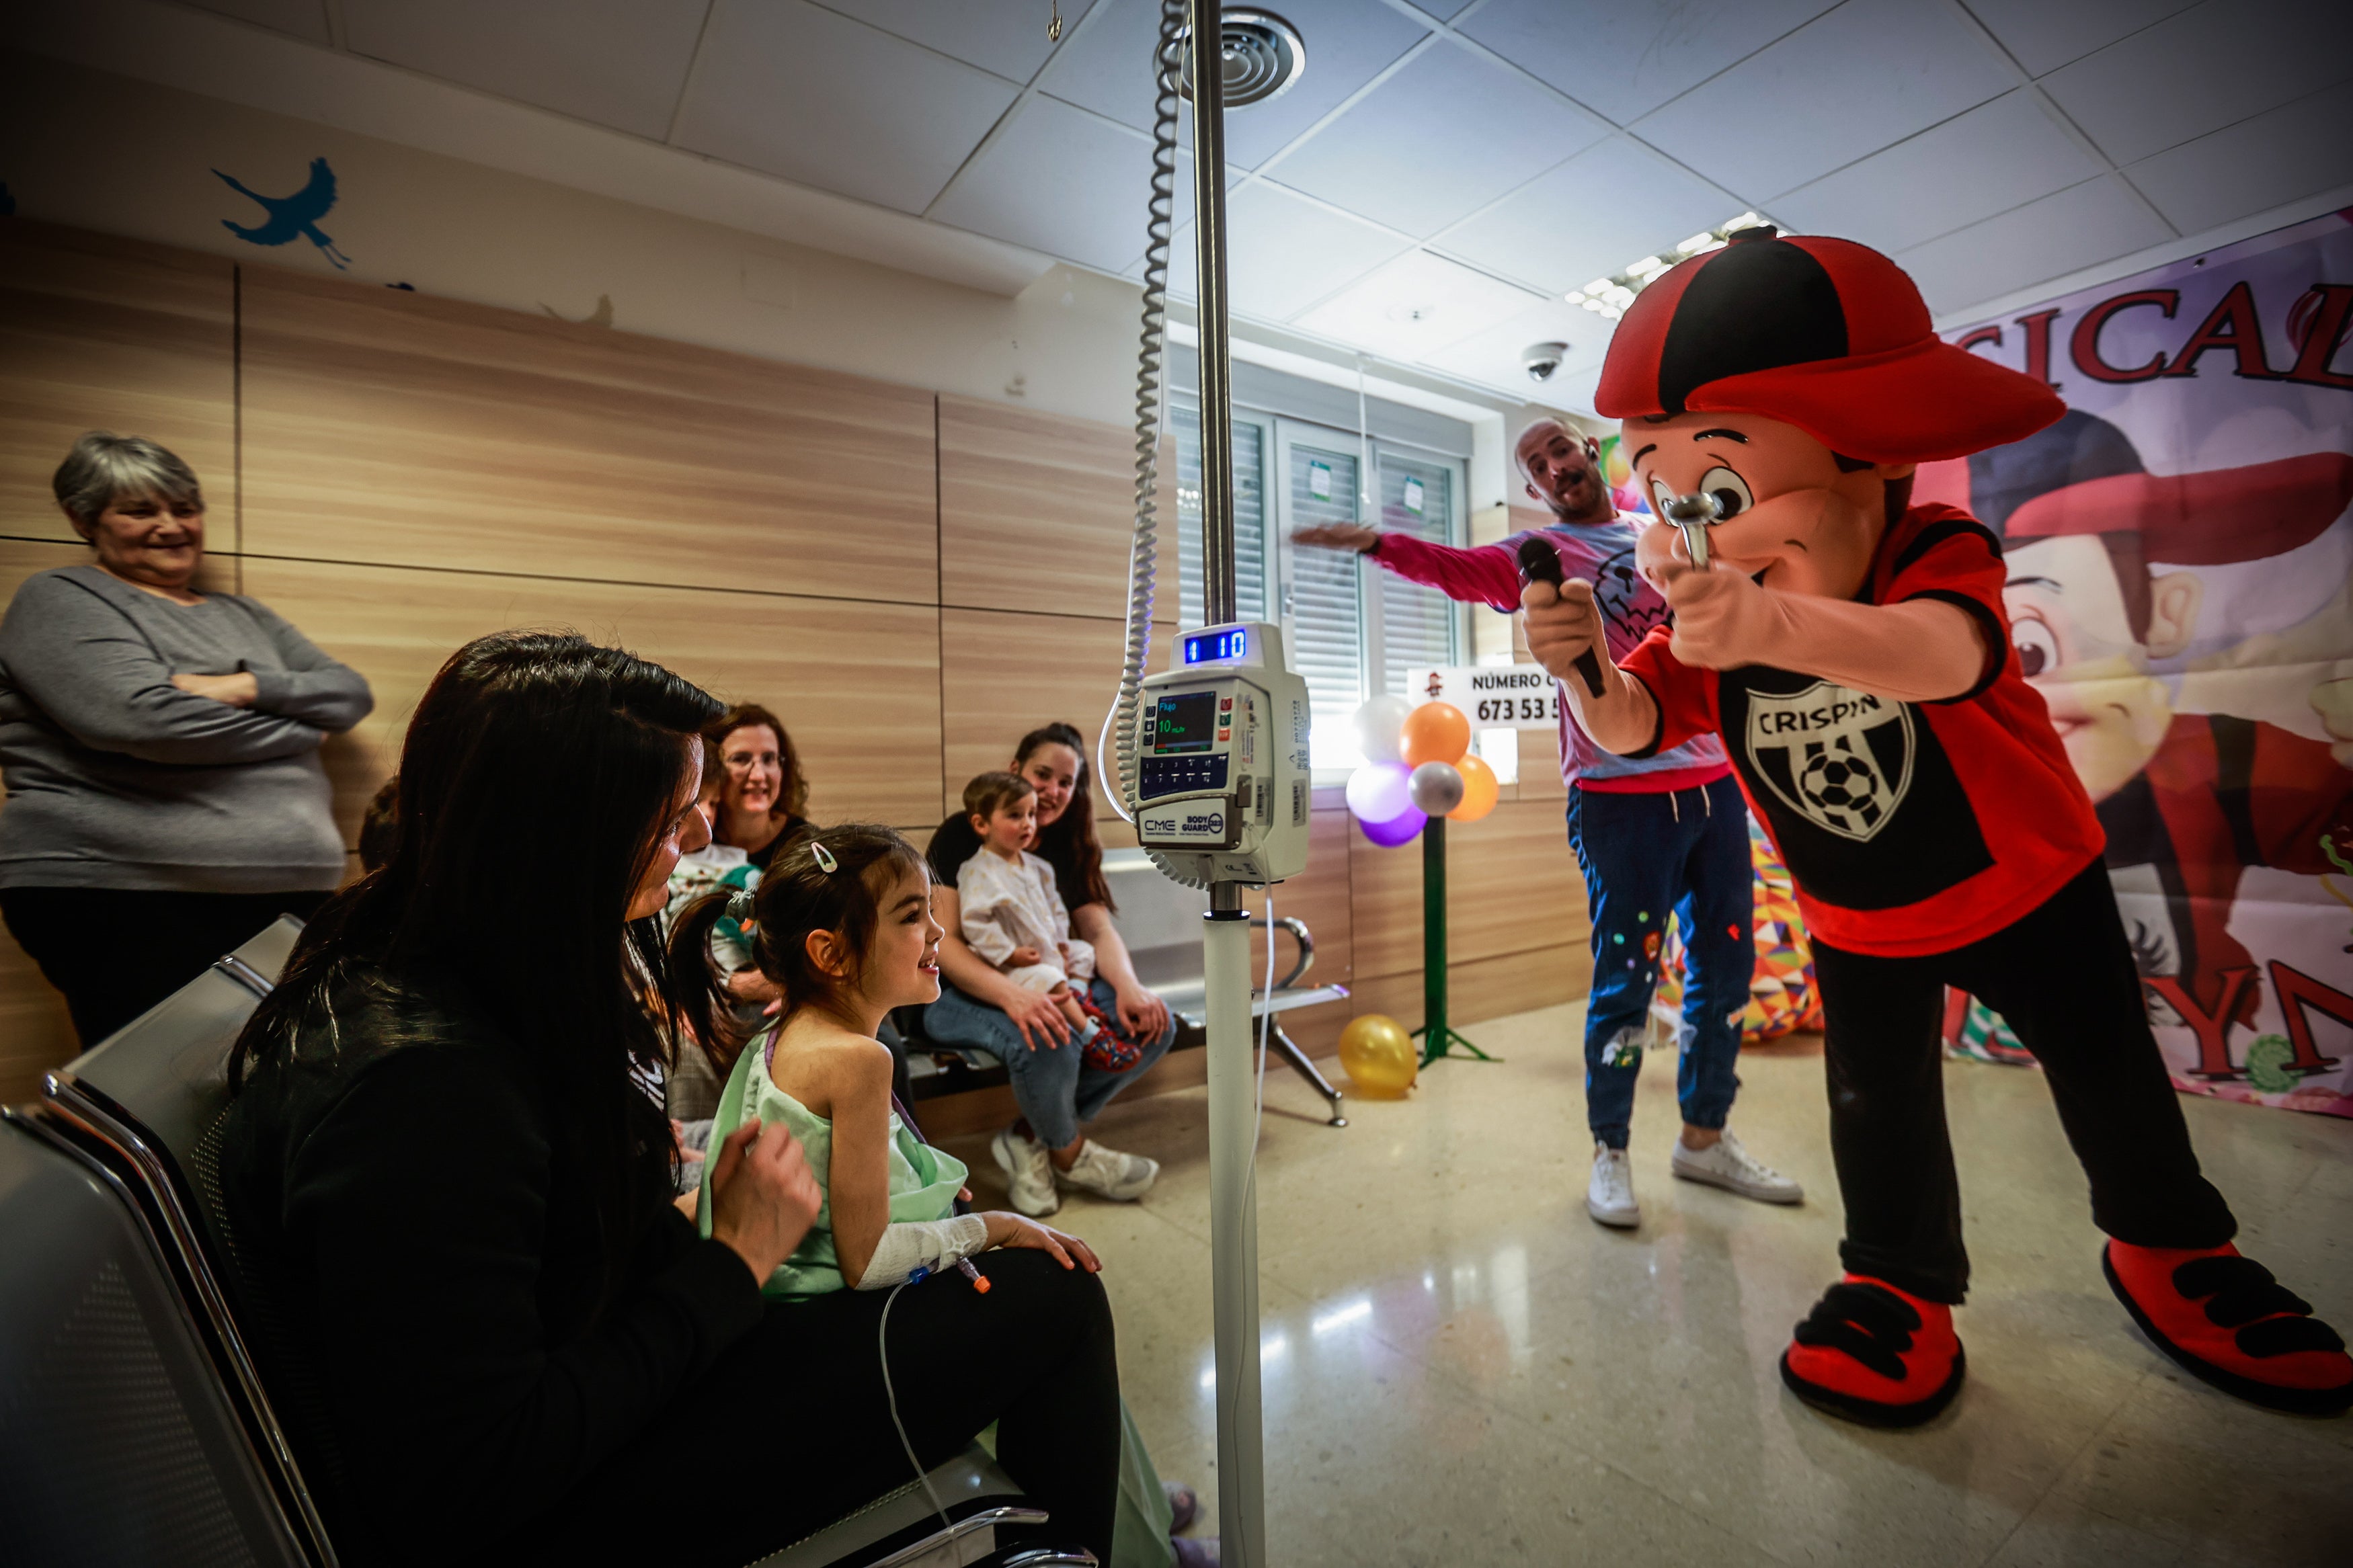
114, 1226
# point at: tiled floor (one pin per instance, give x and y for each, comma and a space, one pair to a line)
1461, 1368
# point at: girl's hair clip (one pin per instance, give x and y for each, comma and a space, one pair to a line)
824, 857
739, 909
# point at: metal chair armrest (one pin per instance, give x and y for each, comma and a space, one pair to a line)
1299, 933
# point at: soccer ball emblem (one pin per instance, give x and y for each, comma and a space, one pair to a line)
1841, 789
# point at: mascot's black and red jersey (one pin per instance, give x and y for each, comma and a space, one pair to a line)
1939, 838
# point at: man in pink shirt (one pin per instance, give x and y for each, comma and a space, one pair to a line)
1668, 832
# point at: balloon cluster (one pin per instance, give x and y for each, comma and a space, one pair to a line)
1417, 768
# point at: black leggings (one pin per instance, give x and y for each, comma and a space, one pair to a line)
2063, 979
116, 951
790, 1430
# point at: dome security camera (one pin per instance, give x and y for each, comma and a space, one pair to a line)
1542, 358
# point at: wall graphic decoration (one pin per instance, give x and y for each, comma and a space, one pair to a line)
292, 216
2178, 549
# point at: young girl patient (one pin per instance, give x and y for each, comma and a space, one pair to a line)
843, 923
1014, 918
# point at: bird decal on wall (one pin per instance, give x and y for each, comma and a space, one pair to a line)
293, 215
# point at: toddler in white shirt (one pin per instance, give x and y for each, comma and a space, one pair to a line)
1013, 914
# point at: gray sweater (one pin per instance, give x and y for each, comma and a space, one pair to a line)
116, 778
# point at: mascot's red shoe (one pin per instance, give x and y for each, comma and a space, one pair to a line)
1876, 1355
2226, 1320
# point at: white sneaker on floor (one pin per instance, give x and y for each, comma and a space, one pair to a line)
1610, 1198
1029, 1173
1107, 1173
1724, 1163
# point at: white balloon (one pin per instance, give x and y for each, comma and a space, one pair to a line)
1378, 792
1435, 787
1380, 724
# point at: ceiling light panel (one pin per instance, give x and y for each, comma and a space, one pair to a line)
1997, 156
1416, 306
1623, 58
1868, 73
1610, 202
616, 62
1448, 133
800, 91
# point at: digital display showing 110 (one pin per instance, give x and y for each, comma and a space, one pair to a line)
1210, 646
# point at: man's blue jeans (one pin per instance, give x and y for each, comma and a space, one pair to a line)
1054, 1086
1643, 855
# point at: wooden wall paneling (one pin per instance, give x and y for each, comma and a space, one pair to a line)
857, 684
1038, 512
396, 429
114, 334
1482, 988
1003, 675
1512, 886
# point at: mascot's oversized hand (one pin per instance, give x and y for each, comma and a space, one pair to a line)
1723, 619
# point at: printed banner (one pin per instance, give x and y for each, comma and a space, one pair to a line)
2178, 549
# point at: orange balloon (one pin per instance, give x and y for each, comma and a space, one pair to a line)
1435, 733
1479, 790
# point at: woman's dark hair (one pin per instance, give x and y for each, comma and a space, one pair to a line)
793, 797
450, 914
1068, 843
800, 893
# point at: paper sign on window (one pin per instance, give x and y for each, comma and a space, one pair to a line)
1414, 496
1319, 481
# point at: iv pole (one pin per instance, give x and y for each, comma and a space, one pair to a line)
1225, 938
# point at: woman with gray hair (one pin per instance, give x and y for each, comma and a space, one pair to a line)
160, 747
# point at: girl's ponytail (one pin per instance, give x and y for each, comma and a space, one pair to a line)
702, 1004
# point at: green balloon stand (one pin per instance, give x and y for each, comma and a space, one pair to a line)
1436, 1036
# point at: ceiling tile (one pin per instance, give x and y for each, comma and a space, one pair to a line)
1493, 356
1108, 68
1611, 204
2198, 71
304, 18
2043, 36
2082, 227
818, 98
1623, 58
1447, 135
617, 62
1284, 253
1868, 74
1007, 37
1061, 181
1993, 158
2299, 149
1442, 10
1415, 306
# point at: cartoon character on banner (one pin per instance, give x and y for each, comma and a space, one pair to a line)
1852, 650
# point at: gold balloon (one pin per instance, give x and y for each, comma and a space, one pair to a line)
1379, 1055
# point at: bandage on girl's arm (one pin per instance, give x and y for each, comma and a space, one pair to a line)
929, 1245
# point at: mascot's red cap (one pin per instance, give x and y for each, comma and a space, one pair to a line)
1825, 334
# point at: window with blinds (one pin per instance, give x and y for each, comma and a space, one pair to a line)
1327, 624
1249, 519
1415, 625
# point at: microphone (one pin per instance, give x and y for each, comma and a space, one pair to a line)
1540, 562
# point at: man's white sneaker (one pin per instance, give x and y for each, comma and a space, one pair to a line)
1724, 1163
1107, 1173
1029, 1173
1610, 1198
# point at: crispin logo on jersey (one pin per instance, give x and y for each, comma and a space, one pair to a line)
1841, 758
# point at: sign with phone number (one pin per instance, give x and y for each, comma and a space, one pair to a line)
1491, 696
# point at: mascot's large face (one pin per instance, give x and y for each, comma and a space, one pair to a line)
1787, 511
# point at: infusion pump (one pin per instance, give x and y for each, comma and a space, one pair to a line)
1222, 776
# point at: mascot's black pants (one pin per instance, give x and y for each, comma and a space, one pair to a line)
2063, 979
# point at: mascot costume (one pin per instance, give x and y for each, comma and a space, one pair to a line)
1777, 395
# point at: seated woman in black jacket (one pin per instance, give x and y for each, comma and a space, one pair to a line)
455, 1191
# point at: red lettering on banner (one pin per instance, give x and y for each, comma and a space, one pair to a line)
1983, 335
2084, 346
2244, 337
2212, 1029
2296, 991
2322, 336
2038, 345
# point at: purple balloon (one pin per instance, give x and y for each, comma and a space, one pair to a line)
1396, 830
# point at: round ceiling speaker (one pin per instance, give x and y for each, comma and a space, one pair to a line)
1262, 55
